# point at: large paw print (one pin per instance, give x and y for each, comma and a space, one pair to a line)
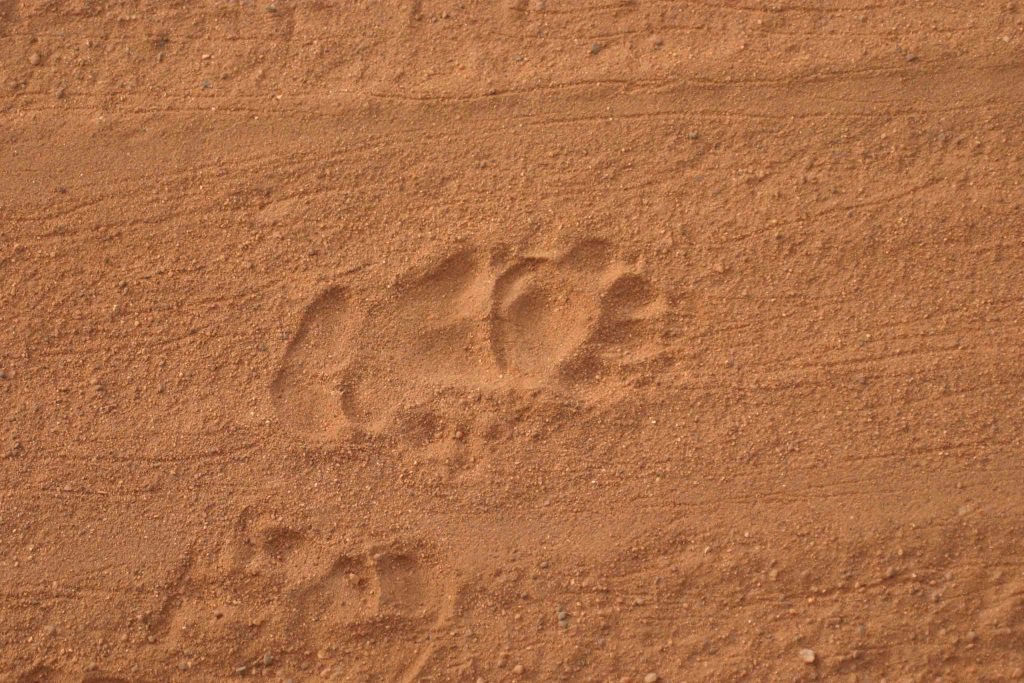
567, 322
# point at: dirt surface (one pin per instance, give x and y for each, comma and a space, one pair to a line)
539, 340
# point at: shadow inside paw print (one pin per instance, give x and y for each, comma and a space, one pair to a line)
427, 335
563, 321
574, 318
303, 390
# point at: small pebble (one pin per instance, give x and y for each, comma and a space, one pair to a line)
35, 59
268, 659
595, 48
807, 656
651, 678
518, 669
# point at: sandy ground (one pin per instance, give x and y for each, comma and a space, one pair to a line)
527, 340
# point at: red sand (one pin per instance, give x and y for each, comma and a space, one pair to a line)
534, 340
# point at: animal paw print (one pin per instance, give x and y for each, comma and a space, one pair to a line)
275, 588
386, 586
467, 325
392, 598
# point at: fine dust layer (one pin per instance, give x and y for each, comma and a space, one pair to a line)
533, 340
